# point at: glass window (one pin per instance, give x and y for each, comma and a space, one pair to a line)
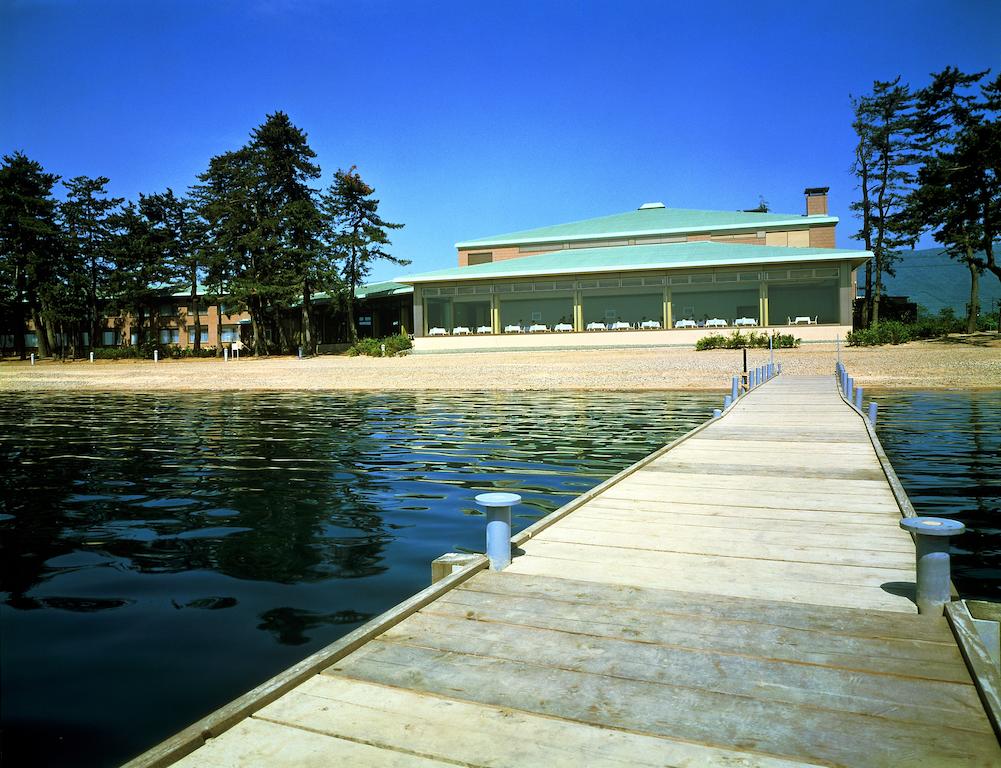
545, 309
167, 310
109, 338
480, 258
170, 336
204, 335
230, 333
31, 339
623, 308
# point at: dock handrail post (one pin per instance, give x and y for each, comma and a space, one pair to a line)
837, 343
872, 412
498, 506
931, 543
735, 389
850, 389
727, 402
717, 413
771, 352
779, 368
858, 398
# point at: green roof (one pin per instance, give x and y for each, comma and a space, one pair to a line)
625, 258
649, 221
374, 290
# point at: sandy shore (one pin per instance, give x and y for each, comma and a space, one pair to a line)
931, 364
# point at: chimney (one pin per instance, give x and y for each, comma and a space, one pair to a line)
816, 201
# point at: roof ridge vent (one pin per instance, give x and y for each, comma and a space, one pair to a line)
648, 206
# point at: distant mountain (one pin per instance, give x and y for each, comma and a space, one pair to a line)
933, 280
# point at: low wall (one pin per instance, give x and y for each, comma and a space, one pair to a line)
607, 339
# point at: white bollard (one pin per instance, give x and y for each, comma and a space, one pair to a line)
931, 542
91, 357
156, 355
498, 526
32, 358
225, 355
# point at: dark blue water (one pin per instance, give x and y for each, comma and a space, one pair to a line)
946, 449
162, 554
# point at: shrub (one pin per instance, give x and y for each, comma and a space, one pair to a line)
889, 332
737, 340
373, 347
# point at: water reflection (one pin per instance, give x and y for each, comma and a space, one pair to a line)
161, 554
946, 449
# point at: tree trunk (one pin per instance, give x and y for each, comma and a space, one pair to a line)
94, 330
875, 299
974, 305
867, 301
20, 321
218, 326
306, 334
41, 334
255, 324
194, 308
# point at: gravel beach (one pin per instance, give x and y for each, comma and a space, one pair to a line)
931, 364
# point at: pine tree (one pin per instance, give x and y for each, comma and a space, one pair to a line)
85, 215
179, 234
30, 243
357, 233
953, 132
885, 157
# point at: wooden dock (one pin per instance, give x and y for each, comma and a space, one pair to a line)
743, 597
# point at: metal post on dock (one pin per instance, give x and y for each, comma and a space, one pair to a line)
498, 505
850, 389
771, 352
735, 389
727, 402
931, 542
858, 398
837, 341
717, 413
872, 412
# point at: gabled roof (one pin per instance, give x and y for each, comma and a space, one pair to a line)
625, 258
649, 222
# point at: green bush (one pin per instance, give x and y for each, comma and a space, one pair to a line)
178, 353
889, 332
116, 353
738, 340
373, 347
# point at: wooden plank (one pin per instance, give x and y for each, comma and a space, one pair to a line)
642, 531
754, 547
764, 499
982, 667
490, 736
932, 702
262, 743
694, 715
873, 653
669, 603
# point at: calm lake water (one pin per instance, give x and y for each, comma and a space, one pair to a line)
162, 554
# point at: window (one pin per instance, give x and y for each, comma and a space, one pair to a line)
230, 333
109, 338
480, 258
170, 336
168, 310
31, 339
203, 336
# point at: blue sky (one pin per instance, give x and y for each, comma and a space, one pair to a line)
472, 119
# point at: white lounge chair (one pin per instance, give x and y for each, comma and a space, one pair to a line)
513, 329
436, 331
484, 329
